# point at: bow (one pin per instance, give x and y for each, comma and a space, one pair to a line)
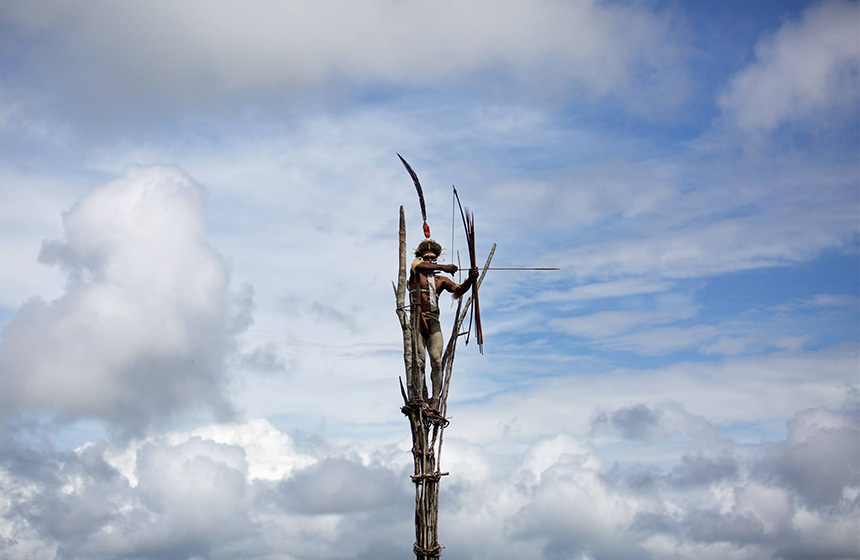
469, 226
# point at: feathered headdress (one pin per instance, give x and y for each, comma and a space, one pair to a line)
428, 245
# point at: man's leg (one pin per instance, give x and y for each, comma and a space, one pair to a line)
418, 386
434, 347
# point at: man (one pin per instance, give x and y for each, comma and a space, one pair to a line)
424, 289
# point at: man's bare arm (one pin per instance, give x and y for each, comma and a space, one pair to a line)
435, 267
460, 289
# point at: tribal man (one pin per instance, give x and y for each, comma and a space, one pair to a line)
424, 296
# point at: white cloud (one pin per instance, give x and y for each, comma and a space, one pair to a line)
193, 50
270, 453
727, 245
146, 322
188, 495
565, 499
801, 71
725, 393
667, 327
570, 512
594, 191
796, 463
604, 290
592, 459
610, 323
769, 504
652, 222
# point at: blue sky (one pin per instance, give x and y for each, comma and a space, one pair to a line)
199, 233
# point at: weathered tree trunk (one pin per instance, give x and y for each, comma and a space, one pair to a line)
427, 425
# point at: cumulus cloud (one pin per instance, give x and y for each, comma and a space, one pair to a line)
805, 69
186, 495
765, 513
214, 493
818, 460
634, 422
341, 486
147, 320
188, 499
565, 500
658, 421
701, 470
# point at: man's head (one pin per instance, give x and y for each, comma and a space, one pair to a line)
428, 248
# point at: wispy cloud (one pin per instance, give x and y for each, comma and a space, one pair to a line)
801, 72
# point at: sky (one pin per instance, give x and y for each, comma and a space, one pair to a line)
199, 354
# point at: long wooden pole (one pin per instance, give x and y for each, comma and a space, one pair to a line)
427, 426
421, 418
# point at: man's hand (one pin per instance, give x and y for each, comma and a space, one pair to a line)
449, 268
473, 273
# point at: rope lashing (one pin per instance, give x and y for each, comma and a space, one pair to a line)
435, 551
420, 407
418, 478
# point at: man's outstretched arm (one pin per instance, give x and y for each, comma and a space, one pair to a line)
425, 267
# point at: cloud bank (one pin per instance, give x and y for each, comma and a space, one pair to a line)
194, 495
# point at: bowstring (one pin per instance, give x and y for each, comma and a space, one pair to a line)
453, 216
